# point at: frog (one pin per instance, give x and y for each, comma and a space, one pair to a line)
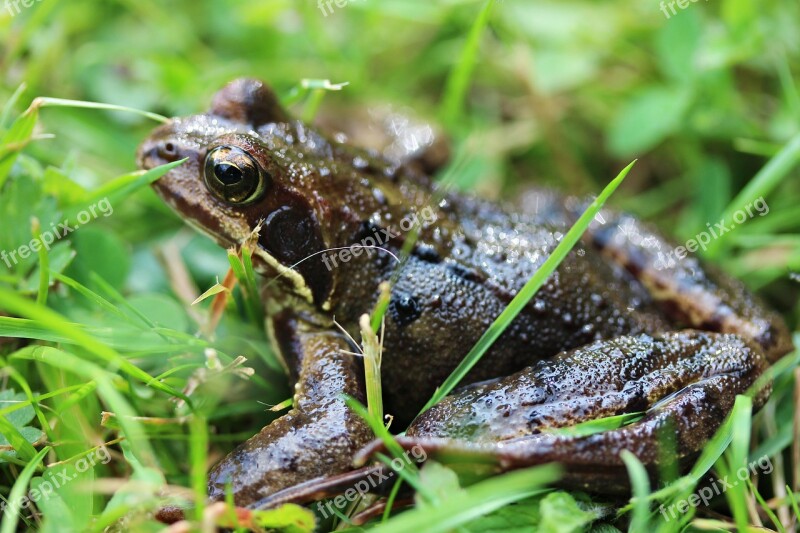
615, 330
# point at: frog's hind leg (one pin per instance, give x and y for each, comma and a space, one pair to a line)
317, 438
693, 294
682, 384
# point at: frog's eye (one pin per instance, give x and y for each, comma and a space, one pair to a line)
232, 175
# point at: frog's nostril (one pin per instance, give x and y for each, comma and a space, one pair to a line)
167, 150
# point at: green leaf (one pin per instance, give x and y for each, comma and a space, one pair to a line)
56, 183
16, 434
520, 517
99, 251
560, 513
56, 514
144, 483
289, 517
677, 43
60, 256
30, 434
162, 310
440, 481
647, 119
19, 417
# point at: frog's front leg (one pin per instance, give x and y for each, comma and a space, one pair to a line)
683, 384
317, 438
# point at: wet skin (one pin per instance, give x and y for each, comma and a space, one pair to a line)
613, 331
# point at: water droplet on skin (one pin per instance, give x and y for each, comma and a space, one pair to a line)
540, 306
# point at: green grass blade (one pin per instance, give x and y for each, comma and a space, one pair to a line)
44, 264
598, 425
55, 322
18, 135
198, 451
528, 291
119, 188
765, 507
68, 362
737, 458
411, 472
24, 449
11, 514
458, 81
90, 295
46, 101
762, 184
8, 108
641, 490
477, 500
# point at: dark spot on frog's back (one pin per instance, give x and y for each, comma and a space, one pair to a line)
426, 253
466, 273
404, 309
291, 235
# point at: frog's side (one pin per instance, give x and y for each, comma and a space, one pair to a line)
599, 333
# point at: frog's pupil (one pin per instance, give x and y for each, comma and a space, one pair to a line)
228, 174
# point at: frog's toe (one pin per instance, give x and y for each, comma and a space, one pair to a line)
677, 389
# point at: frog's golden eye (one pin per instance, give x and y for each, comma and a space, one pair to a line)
232, 175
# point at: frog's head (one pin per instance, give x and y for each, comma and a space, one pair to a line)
250, 165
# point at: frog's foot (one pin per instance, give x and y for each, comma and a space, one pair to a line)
317, 438
682, 384
695, 295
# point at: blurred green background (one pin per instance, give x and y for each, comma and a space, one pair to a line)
562, 94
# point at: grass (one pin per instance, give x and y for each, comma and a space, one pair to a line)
562, 94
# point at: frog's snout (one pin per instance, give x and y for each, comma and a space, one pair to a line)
154, 152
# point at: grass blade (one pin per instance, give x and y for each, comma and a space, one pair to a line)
474, 501
762, 184
458, 81
528, 291
56, 323
11, 514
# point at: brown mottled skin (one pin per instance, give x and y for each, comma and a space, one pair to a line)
601, 335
